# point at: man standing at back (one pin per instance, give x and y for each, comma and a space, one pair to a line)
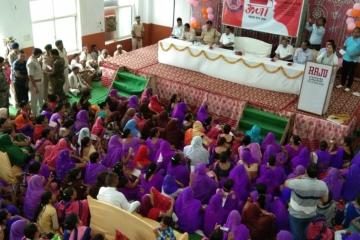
63, 54
56, 75
36, 77
137, 33
307, 191
21, 79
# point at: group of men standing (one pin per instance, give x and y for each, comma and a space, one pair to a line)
41, 74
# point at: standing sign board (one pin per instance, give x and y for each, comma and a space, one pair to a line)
316, 88
281, 17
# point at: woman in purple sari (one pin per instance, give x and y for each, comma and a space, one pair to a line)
351, 187
270, 140
272, 176
179, 111
238, 230
164, 154
213, 214
299, 170
323, 157
335, 182
114, 152
17, 229
202, 113
153, 143
303, 158
133, 102
33, 195
278, 208
241, 182
284, 235
337, 158
93, 169
180, 171
294, 147
82, 120
64, 164
202, 185
270, 151
129, 142
151, 178
189, 211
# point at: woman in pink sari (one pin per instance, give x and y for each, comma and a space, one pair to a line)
52, 152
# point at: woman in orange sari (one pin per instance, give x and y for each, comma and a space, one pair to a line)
196, 130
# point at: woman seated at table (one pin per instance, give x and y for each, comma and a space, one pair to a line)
329, 56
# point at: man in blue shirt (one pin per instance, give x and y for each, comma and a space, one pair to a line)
21, 78
350, 60
303, 54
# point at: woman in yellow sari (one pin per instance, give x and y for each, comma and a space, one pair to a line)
196, 130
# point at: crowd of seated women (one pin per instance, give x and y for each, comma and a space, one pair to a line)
166, 162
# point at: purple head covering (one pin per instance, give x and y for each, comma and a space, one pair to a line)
188, 210
33, 195
64, 164
115, 152
299, 170
179, 111
156, 180
323, 161
47, 114
153, 148
270, 150
82, 120
166, 153
202, 113
284, 235
113, 93
213, 214
268, 177
180, 172
133, 102
247, 157
12, 209
302, 159
282, 216
44, 170
351, 186
337, 159
169, 185
239, 231
55, 118
17, 229
270, 140
241, 182
334, 181
202, 185
92, 171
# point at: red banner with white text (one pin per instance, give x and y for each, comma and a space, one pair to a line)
281, 17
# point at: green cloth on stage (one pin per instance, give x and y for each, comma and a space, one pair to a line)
99, 94
129, 84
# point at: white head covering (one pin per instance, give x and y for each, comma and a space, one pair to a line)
196, 151
84, 132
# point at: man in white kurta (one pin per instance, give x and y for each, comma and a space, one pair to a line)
112, 196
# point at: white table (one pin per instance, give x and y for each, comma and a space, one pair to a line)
249, 70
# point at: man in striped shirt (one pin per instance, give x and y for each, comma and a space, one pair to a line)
306, 193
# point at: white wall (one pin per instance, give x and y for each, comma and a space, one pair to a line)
161, 12
91, 16
15, 21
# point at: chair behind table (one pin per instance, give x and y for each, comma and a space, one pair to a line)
106, 219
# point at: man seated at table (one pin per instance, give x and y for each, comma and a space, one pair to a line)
209, 35
284, 51
227, 39
188, 34
119, 50
303, 54
178, 30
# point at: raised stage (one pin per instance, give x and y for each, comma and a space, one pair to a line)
227, 100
